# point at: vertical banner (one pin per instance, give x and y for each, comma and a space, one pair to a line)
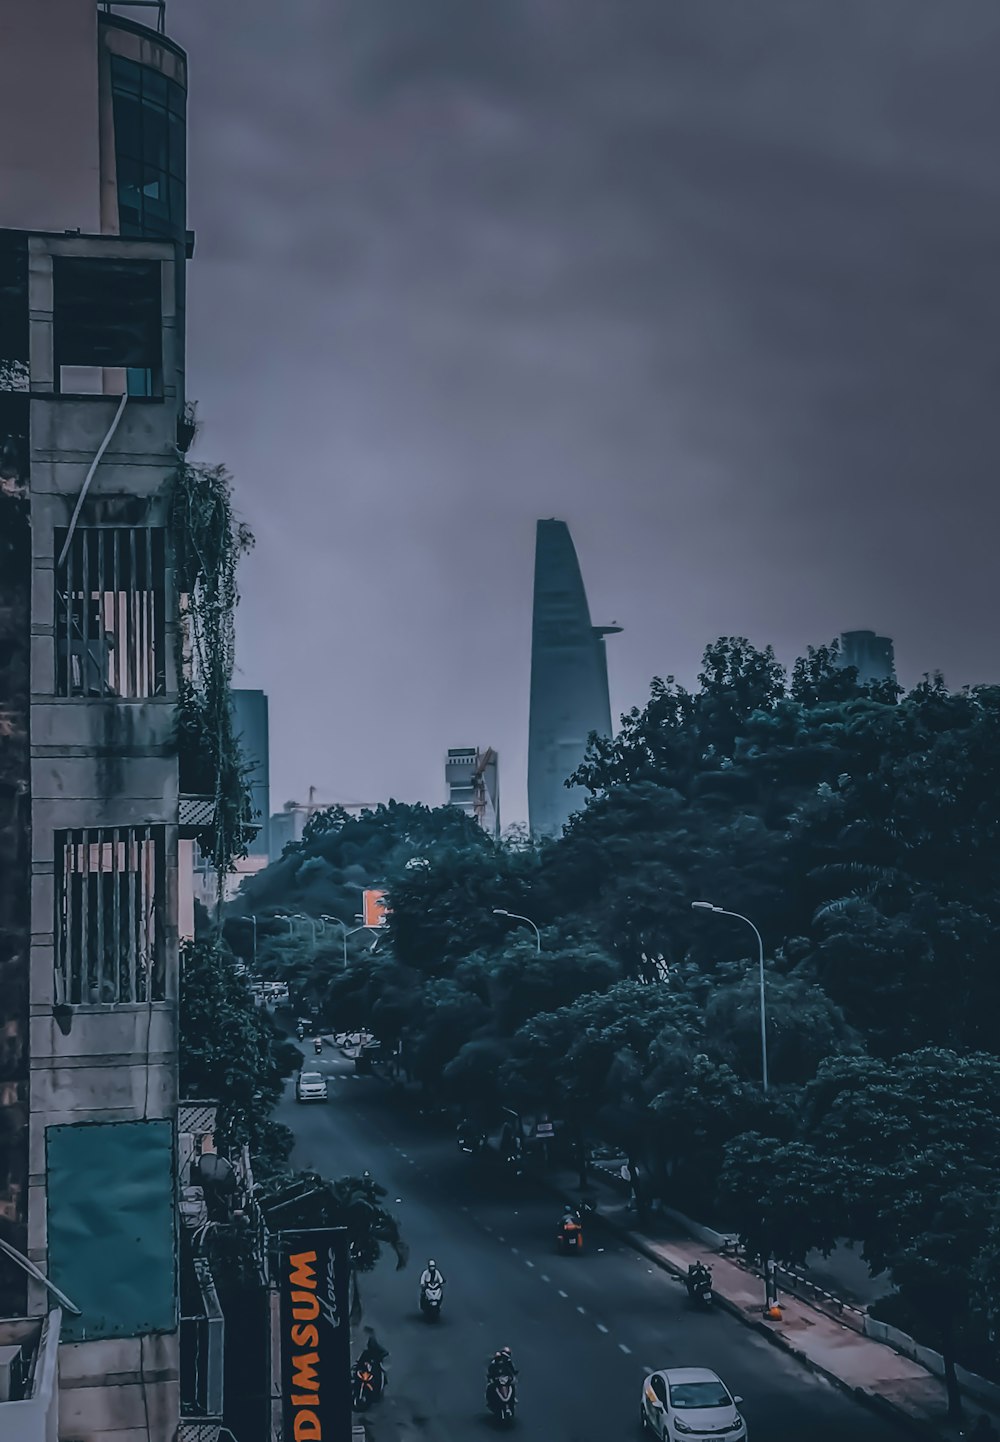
315, 1336
374, 908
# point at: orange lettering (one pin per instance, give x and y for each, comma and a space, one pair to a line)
305, 1306
302, 1274
304, 1372
305, 1336
307, 1427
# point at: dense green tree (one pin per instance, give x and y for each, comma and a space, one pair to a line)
903, 1157
230, 1052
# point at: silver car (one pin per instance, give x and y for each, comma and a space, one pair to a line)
310, 1087
684, 1402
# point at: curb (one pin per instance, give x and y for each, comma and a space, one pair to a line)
888, 1411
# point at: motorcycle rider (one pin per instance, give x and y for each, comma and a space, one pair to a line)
501, 1364
430, 1276
374, 1354
318, 1044
699, 1277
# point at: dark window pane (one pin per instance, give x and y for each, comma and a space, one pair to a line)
154, 86
177, 205
154, 138
128, 126
125, 75
175, 98
176, 130
107, 312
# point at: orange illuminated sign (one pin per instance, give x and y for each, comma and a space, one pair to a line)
375, 908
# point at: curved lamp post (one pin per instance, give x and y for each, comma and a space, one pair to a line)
515, 916
770, 1290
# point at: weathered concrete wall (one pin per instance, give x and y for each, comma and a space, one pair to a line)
15, 882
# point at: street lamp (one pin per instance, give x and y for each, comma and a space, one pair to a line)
299, 916
253, 922
720, 911
514, 916
346, 933
770, 1294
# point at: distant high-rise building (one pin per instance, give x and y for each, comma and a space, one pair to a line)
871, 655
473, 782
569, 680
288, 824
250, 726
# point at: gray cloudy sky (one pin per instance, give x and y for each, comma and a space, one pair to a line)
714, 282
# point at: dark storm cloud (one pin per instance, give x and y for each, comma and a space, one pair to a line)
716, 283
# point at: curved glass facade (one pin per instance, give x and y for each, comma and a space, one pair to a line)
150, 150
569, 681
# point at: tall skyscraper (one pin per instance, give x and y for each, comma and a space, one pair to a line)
569, 680
872, 655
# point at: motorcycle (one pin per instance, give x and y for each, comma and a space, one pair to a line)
317, 1046
699, 1285
430, 1301
501, 1398
300, 1031
569, 1237
368, 1383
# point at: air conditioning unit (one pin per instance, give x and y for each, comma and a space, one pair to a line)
11, 1374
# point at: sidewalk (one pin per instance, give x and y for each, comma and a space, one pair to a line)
872, 1372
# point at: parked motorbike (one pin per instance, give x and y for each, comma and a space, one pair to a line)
501, 1398
368, 1383
699, 1284
569, 1236
430, 1301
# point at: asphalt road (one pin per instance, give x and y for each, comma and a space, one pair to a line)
584, 1330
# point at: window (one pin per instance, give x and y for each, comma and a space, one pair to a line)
150, 138
109, 613
107, 315
109, 915
13, 313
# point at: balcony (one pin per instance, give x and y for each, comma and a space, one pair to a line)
29, 1394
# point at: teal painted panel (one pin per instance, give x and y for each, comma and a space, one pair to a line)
112, 1239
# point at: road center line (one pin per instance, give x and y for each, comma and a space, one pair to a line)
601, 1328
582, 1311
527, 1263
515, 1251
563, 1294
544, 1277
622, 1348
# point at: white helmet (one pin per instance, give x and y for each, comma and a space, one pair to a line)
432, 1265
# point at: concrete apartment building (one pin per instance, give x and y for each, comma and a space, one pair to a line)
92, 255
472, 781
872, 656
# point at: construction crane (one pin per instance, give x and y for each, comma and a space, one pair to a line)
480, 795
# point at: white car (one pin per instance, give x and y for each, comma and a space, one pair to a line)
310, 1087
685, 1402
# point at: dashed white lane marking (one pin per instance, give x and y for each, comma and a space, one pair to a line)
516, 1251
527, 1263
487, 1227
465, 1209
563, 1294
601, 1328
582, 1311
622, 1348
544, 1277
500, 1239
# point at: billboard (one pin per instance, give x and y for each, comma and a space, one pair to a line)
375, 908
315, 1336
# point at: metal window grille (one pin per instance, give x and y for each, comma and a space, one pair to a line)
109, 915
110, 613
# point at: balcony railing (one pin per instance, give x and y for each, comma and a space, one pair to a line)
31, 1348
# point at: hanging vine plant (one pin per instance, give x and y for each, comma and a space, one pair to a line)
208, 542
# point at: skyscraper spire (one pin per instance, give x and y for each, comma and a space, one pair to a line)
569, 680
